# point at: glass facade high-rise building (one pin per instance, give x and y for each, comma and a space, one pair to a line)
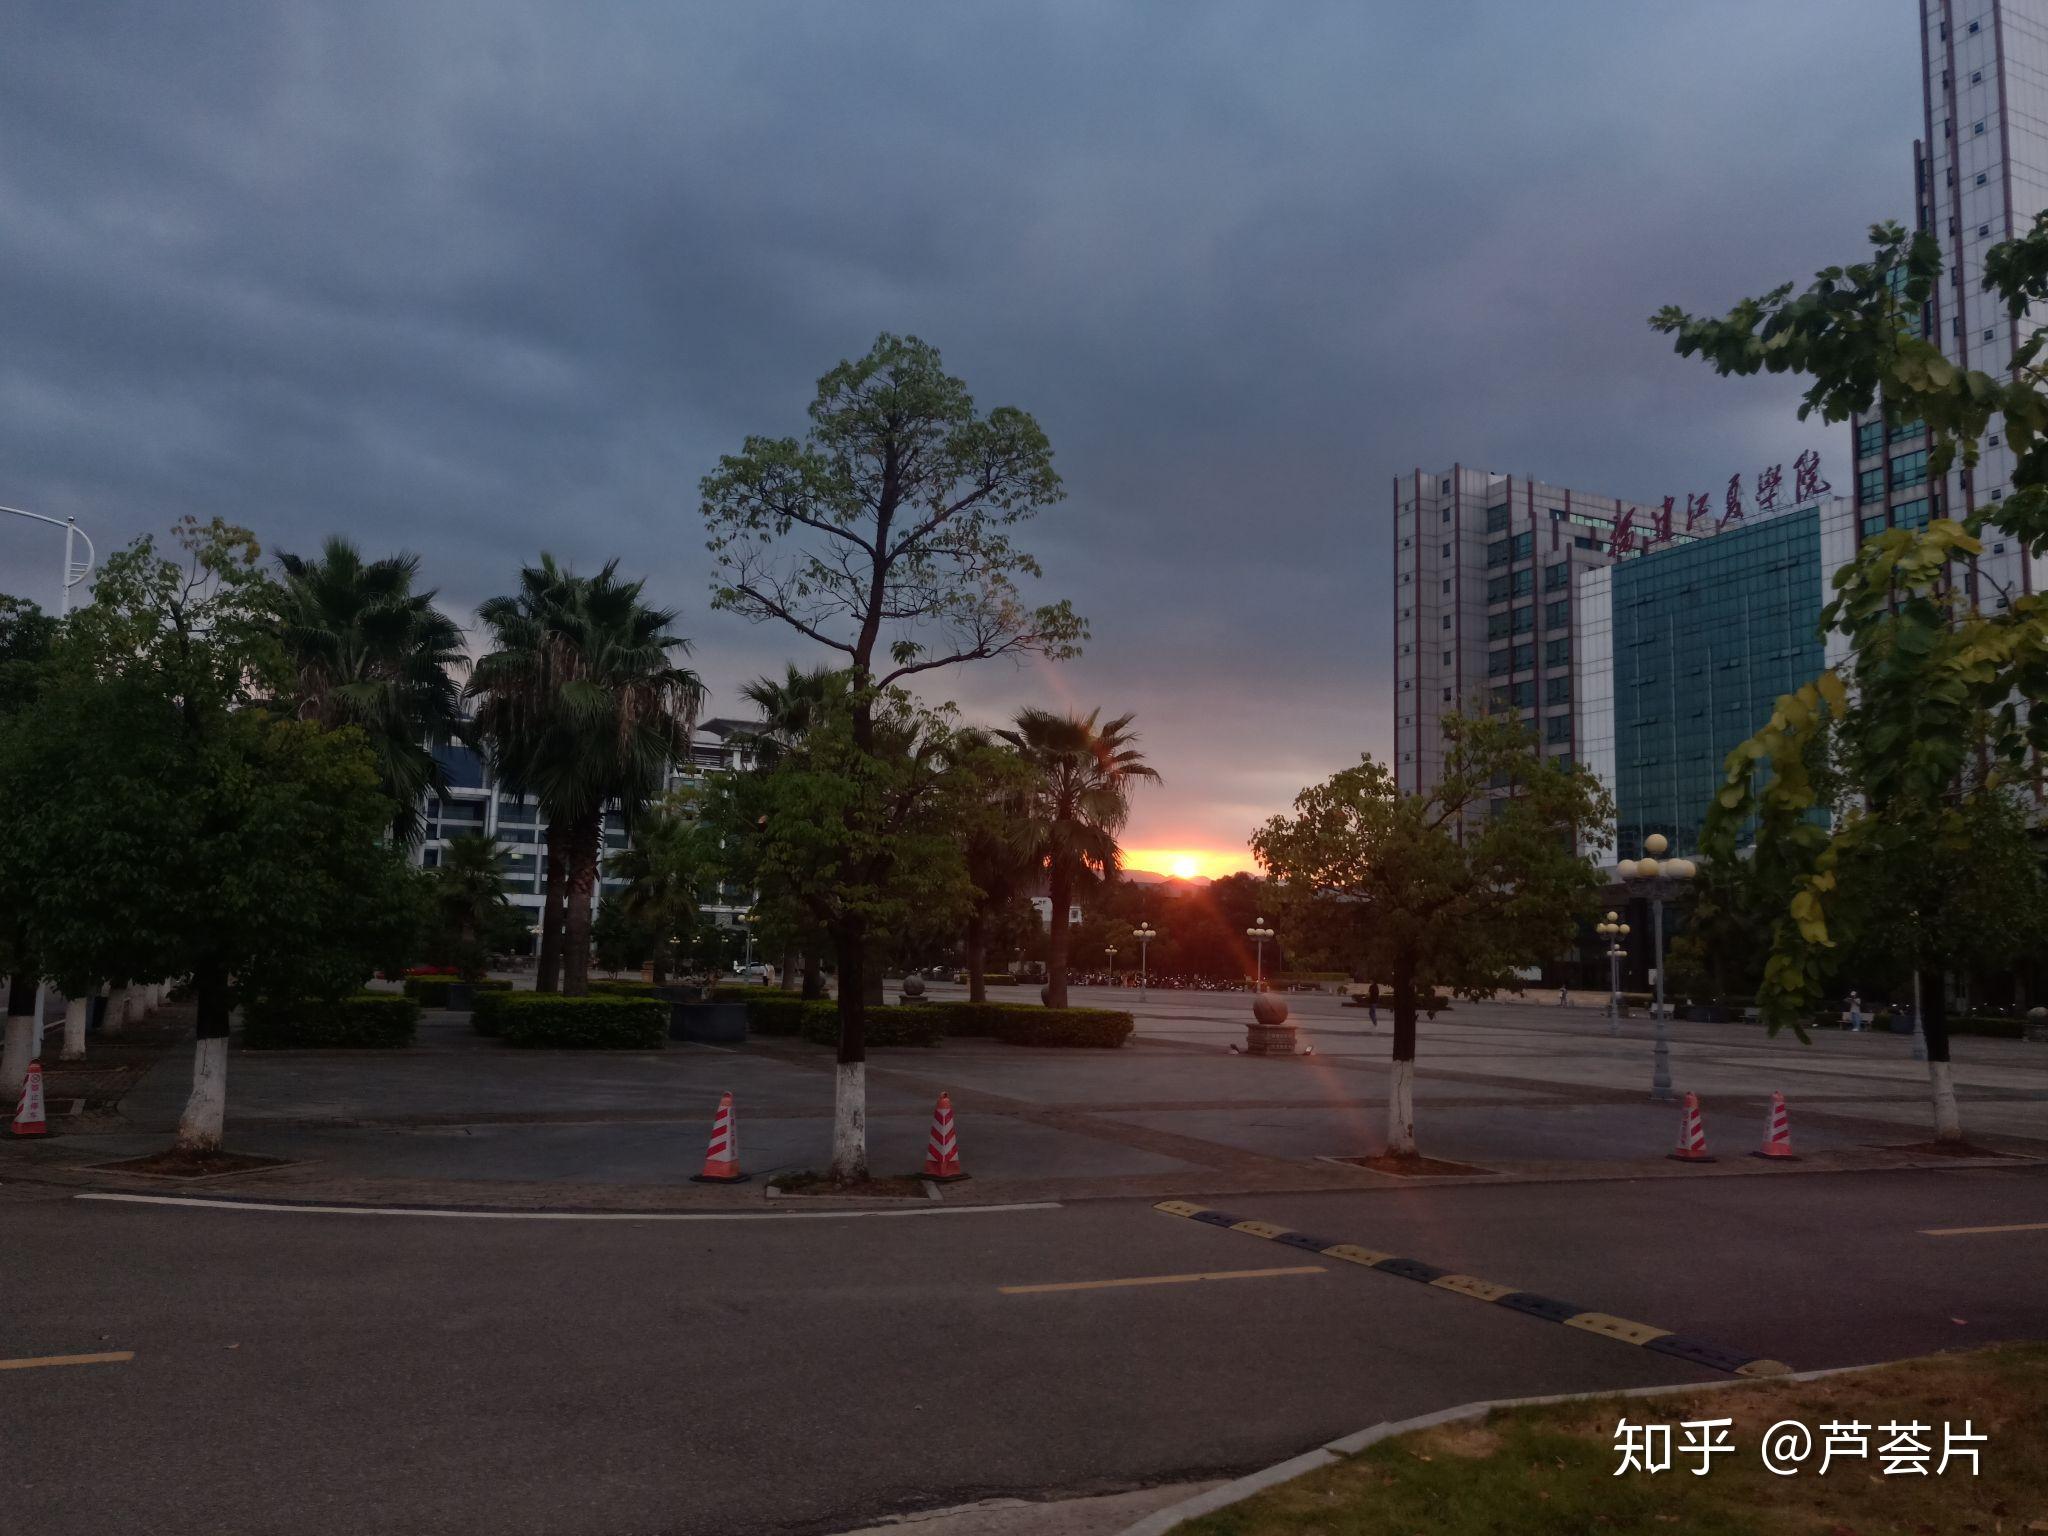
1683, 653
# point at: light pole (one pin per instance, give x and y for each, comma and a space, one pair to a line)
1110, 950
1613, 931
74, 570
1145, 933
1657, 877
1258, 933
747, 965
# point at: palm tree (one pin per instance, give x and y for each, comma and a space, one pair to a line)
469, 897
999, 846
664, 871
1076, 803
367, 650
587, 711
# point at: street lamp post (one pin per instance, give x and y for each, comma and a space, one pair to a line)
1658, 877
747, 965
1110, 950
1613, 931
75, 570
1258, 933
1145, 933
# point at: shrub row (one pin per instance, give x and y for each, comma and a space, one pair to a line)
432, 991
927, 1023
368, 1020
594, 1023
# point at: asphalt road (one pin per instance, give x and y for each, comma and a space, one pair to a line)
340, 1373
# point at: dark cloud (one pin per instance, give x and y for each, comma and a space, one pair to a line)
479, 279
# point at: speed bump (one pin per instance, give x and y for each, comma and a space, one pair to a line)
1470, 1285
1615, 1327
1351, 1253
1267, 1229
1530, 1303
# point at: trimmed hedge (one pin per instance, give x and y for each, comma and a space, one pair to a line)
432, 991
928, 1023
366, 1021
778, 1013
1022, 1024
900, 1024
594, 1023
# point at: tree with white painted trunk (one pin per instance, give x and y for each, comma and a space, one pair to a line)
178, 824
1939, 713
1454, 890
885, 535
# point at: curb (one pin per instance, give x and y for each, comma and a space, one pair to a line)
1330, 1452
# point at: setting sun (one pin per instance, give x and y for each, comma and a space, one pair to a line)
1186, 863
1186, 868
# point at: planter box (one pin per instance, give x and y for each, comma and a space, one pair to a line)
708, 1023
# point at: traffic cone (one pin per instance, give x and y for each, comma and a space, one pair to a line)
722, 1158
28, 1114
942, 1152
1692, 1135
1778, 1133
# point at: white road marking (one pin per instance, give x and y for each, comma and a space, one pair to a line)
918, 1209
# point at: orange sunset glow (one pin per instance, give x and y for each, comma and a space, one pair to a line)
1189, 863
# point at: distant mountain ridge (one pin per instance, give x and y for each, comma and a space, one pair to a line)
1170, 885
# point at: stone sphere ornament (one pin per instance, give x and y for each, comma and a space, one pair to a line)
913, 985
1269, 1033
1269, 1010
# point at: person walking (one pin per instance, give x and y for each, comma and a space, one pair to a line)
1372, 1004
1855, 1014
1564, 995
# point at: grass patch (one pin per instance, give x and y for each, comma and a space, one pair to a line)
1549, 1471
898, 1187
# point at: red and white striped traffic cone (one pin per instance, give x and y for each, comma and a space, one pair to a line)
28, 1114
1692, 1135
722, 1158
942, 1152
1778, 1133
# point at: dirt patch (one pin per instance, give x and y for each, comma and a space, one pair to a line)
903, 1187
1412, 1167
1472, 1441
191, 1165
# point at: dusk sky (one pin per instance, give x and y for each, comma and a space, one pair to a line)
482, 280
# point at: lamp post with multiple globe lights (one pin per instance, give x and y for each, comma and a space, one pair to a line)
75, 570
1110, 950
1144, 933
1259, 933
1657, 878
1613, 931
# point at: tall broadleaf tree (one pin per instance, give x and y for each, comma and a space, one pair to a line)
1941, 700
367, 650
885, 535
1442, 889
1074, 802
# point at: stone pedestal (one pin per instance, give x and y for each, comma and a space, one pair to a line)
1269, 1033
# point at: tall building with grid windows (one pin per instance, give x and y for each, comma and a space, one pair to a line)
1980, 174
1484, 566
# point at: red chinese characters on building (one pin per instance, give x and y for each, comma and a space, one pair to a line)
1767, 483
1625, 533
1697, 510
1660, 521
1732, 509
1806, 480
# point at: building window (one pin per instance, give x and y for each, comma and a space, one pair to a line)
1909, 469
1988, 335
1525, 657
1980, 182
1447, 695
1557, 576
1558, 652
1869, 438
1983, 230
1524, 581
1447, 551
1524, 620
1979, 128
1557, 729
1522, 695
1447, 583
1447, 658
1976, 77
1497, 553
1910, 514
1447, 621
1498, 663
1559, 690
1497, 518
1870, 484
1497, 627
1557, 614
1497, 588
1873, 524
1523, 544
1906, 429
